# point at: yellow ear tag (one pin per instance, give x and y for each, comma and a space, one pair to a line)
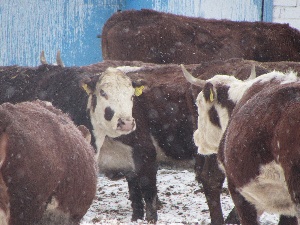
138, 90
211, 96
85, 87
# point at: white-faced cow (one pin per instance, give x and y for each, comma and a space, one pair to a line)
48, 169
106, 111
222, 96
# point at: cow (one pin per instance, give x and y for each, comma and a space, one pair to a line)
102, 101
211, 43
161, 38
48, 169
168, 115
260, 153
217, 100
164, 113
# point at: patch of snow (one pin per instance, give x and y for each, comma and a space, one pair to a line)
183, 202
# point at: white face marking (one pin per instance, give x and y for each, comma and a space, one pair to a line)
112, 115
207, 137
269, 192
115, 155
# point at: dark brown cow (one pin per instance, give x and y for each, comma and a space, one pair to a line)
157, 37
260, 153
48, 168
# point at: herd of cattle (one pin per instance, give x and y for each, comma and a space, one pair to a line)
61, 126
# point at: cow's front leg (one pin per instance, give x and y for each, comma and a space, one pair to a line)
247, 211
149, 191
136, 198
287, 220
212, 178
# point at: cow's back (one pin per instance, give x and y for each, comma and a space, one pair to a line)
260, 150
162, 38
49, 165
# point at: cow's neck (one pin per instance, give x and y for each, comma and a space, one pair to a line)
99, 139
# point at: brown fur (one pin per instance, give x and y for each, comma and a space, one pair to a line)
166, 86
47, 158
159, 37
251, 140
59, 84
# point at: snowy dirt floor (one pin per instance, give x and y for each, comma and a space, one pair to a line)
182, 197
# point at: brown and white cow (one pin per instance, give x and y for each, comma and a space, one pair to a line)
106, 111
48, 170
260, 153
222, 96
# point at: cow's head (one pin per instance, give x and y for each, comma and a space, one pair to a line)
110, 103
215, 103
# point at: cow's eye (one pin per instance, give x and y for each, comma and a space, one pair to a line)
103, 94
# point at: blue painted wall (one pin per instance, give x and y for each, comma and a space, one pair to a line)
72, 26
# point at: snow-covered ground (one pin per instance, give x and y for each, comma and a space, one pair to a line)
184, 202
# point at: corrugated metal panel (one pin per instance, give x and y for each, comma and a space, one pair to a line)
237, 10
30, 26
72, 26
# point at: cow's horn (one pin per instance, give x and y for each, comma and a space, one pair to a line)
43, 58
191, 79
58, 59
253, 73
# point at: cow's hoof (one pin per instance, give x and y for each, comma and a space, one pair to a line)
152, 218
137, 216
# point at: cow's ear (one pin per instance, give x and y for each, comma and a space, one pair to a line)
139, 86
208, 92
89, 84
138, 83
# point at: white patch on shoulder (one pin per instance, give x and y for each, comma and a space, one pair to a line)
269, 191
114, 155
128, 69
53, 204
169, 163
4, 218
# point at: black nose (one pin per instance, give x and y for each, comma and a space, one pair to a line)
108, 113
120, 123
